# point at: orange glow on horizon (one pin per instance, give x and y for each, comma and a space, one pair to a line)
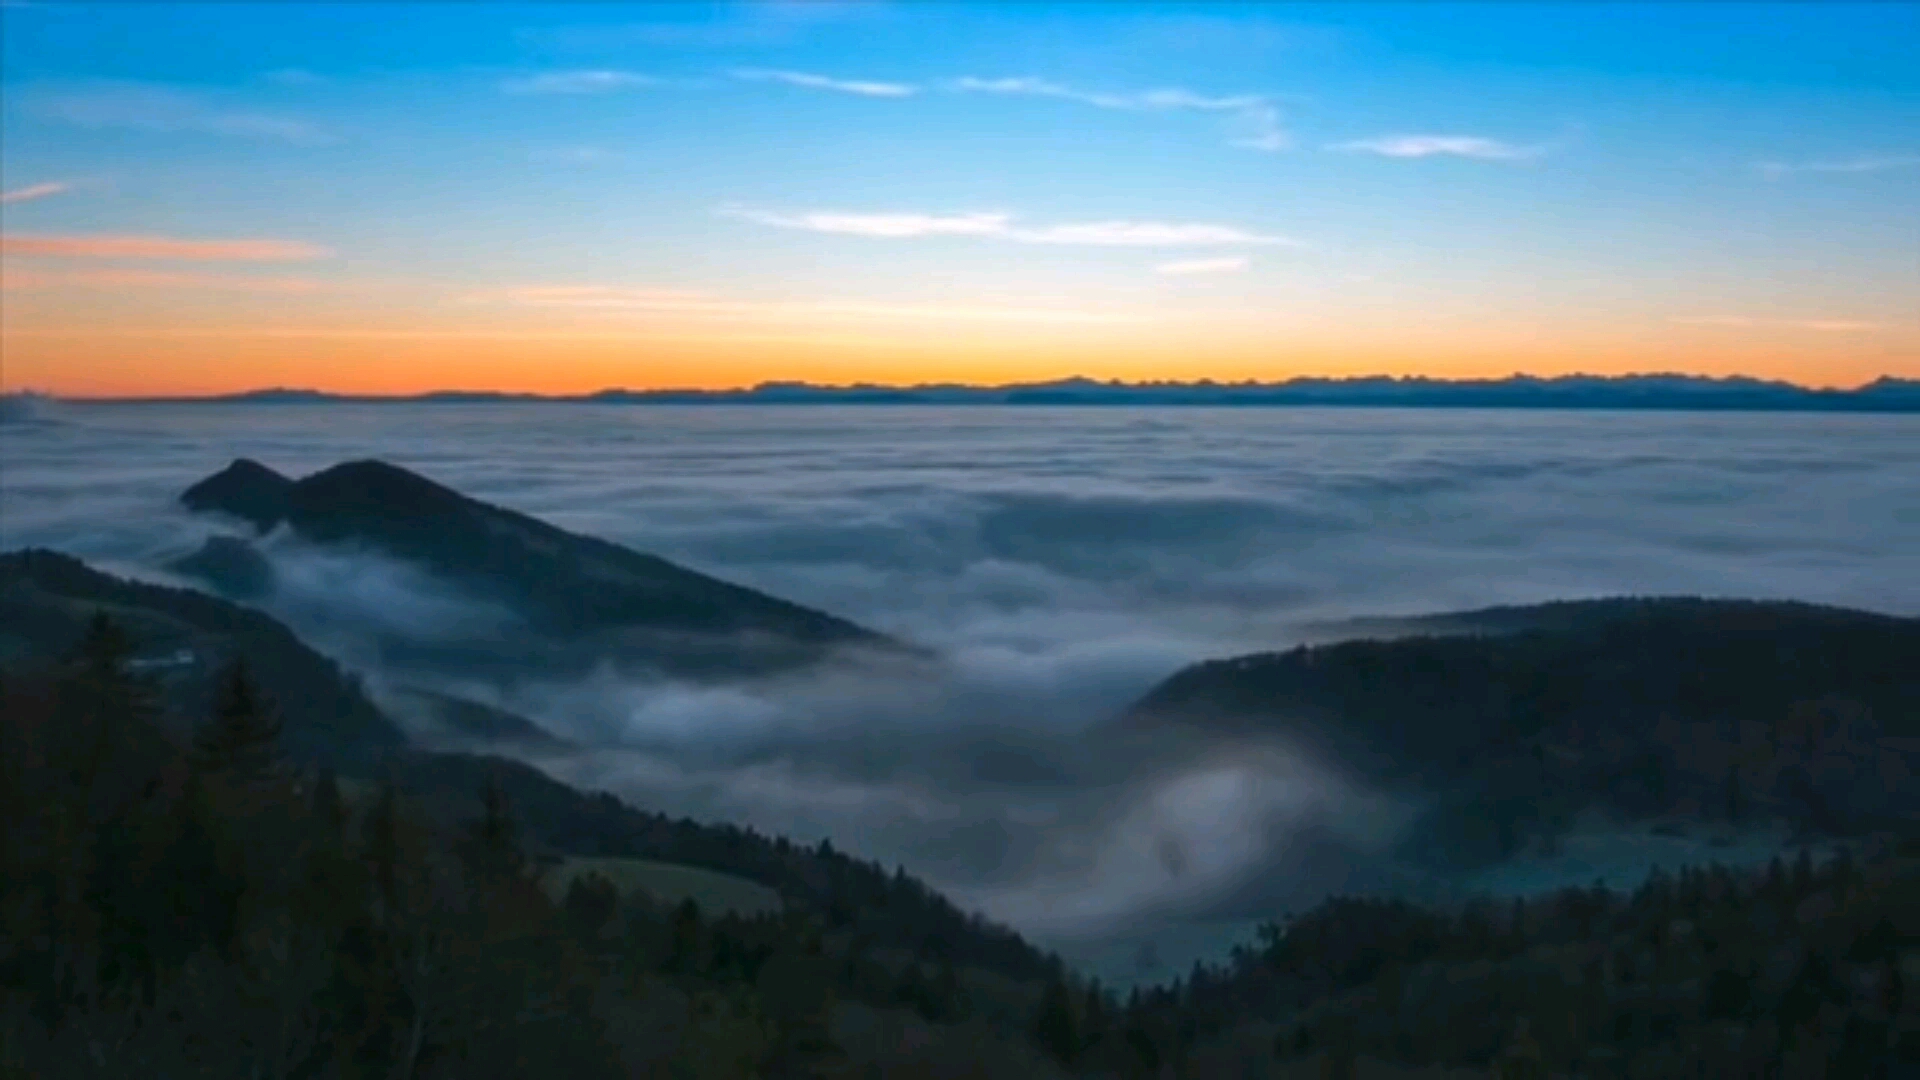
174, 361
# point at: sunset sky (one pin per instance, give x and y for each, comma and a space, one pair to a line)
372, 198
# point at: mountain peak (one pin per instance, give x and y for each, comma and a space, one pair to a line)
245, 489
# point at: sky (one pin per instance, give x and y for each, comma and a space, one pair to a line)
388, 199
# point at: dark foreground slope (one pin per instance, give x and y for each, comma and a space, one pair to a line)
183, 639
107, 792
1522, 717
594, 601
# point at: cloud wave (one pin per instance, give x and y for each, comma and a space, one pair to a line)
578, 82
32, 192
1425, 146
858, 87
1002, 226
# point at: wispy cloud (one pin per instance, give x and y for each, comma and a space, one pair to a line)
1002, 226
161, 247
143, 107
1831, 326
1424, 146
1256, 116
861, 87
578, 82
693, 303
155, 279
32, 192
1182, 267
1774, 170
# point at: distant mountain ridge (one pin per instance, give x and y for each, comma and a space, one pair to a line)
1651, 391
584, 601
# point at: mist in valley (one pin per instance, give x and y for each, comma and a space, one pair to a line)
1058, 563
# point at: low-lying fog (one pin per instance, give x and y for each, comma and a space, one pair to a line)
1062, 561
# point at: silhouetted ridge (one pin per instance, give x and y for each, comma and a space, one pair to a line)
245, 489
1518, 718
592, 599
185, 638
229, 564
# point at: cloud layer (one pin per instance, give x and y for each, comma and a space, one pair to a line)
1062, 561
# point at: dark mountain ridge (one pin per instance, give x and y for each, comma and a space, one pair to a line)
588, 600
1516, 720
183, 641
184, 638
1644, 391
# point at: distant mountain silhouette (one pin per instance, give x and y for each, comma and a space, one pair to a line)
584, 601
1651, 391
186, 638
1516, 719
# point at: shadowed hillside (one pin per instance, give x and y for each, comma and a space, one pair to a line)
585, 601
1520, 718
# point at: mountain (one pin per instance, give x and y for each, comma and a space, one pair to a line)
581, 601
1649, 391
1515, 720
184, 640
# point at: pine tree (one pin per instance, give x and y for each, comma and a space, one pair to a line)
328, 807
382, 832
1054, 1025
495, 838
241, 740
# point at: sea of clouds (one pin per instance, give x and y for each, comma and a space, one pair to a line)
1061, 561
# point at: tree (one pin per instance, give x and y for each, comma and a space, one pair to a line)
1054, 1024
241, 740
328, 807
494, 839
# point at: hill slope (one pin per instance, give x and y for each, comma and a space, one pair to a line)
1523, 717
184, 638
589, 600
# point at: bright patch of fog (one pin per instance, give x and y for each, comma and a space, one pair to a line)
1060, 561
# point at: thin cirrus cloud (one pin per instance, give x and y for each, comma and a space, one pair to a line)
1867, 163
1255, 116
157, 279
697, 304
161, 109
32, 192
858, 87
161, 247
1831, 326
1189, 267
1426, 146
1001, 226
579, 82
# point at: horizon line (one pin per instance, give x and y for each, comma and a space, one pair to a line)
1736, 383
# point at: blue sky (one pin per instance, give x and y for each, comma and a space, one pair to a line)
569, 196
